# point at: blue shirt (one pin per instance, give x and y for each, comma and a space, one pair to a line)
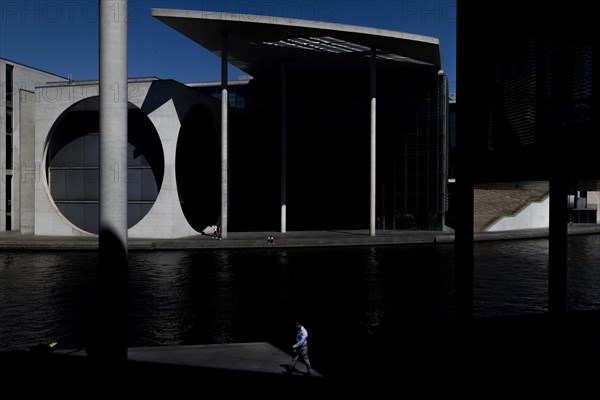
301, 337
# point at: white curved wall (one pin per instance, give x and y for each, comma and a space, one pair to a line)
535, 215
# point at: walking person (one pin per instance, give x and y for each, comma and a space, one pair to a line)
300, 349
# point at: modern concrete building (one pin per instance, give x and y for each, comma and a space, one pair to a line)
351, 121
336, 127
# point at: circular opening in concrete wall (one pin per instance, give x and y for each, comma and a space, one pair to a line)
198, 168
72, 166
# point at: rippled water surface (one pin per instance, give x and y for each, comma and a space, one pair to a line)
223, 296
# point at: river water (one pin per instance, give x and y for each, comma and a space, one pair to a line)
240, 295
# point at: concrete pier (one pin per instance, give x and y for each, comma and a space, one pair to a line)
112, 240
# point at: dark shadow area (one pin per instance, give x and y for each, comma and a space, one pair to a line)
142, 378
328, 156
531, 108
111, 345
525, 113
328, 139
525, 355
198, 168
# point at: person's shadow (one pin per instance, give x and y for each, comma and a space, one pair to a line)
289, 371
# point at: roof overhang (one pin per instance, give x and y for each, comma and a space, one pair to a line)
259, 43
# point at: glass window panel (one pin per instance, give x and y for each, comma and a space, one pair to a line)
9, 120
91, 150
75, 214
75, 152
60, 158
92, 214
146, 208
58, 186
148, 185
9, 151
75, 184
134, 158
144, 159
92, 184
134, 184
134, 214
62, 207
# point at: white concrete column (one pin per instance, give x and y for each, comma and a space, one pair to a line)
283, 148
112, 329
224, 137
372, 194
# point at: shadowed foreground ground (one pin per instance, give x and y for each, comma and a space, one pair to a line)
509, 356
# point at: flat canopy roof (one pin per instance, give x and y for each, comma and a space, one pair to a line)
258, 43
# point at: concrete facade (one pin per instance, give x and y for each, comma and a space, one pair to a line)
166, 104
21, 171
40, 100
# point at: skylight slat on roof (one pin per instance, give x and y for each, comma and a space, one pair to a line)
328, 44
325, 44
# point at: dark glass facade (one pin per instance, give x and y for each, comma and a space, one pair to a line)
198, 168
328, 142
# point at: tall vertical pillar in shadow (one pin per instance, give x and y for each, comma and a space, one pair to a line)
112, 332
373, 171
557, 263
443, 118
224, 138
463, 233
283, 147
463, 249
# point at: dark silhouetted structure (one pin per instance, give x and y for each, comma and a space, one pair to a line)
525, 113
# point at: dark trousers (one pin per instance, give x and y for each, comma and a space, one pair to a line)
301, 351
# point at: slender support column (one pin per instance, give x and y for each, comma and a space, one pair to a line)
224, 138
557, 263
283, 148
112, 308
465, 178
464, 243
372, 194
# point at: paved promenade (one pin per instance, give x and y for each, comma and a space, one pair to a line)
16, 241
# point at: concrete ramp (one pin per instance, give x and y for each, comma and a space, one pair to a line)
492, 205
